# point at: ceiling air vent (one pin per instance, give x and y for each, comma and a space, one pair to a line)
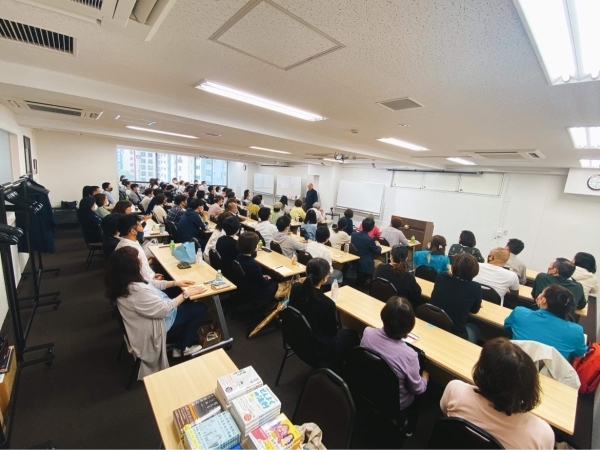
400, 103
96, 4
39, 37
505, 155
64, 110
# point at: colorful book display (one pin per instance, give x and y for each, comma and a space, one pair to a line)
254, 409
278, 434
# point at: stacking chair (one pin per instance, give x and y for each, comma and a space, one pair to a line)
512, 301
457, 433
93, 247
489, 294
303, 257
383, 241
215, 259
303, 233
427, 273
435, 316
243, 296
171, 228
382, 289
276, 247
325, 400
260, 238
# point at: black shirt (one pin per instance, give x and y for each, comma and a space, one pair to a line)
227, 248
260, 287
406, 285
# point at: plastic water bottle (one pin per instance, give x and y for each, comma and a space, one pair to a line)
199, 256
334, 290
294, 260
172, 246
346, 247
298, 231
219, 276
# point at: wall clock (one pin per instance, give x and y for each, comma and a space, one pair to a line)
593, 182
244, 167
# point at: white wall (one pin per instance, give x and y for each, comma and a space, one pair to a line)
577, 182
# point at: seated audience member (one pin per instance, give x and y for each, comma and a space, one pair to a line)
149, 315
560, 272
507, 388
366, 247
122, 207
150, 207
218, 192
375, 232
393, 233
216, 234
227, 244
398, 320
200, 195
89, 220
210, 198
247, 199
309, 225
349, 214
170, 193
277, 213
134, 196
317, 249
339, 238
129, 226
127, 186
191, 224
397, 273
111, 234
254, 207
459, 295
585, 268
159, 211
494, 275
101, 203
265, 227
86, 192
466, 244
549, 324
95, 190
297, 213
320, 312
178, 208
284, 204
215, 209
106, 190
515, 246
319, 213
435, 257
262, 286
232, 207
148, 194
288, 244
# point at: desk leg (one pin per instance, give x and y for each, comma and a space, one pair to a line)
226, 341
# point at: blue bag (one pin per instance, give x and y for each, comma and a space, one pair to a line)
185, 252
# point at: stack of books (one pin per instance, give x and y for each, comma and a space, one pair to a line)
189, 415
255, 409
278, 434
236, 384
220, 432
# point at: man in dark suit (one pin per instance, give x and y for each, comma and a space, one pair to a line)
366, 247
311, 197
191, 225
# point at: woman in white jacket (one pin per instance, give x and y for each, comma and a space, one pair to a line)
585, 268
216, 234
149, 314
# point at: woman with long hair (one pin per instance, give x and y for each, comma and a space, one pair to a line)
310, 225
247, 198
101, 203
284, 202
397, 273
339, 237
466, 244
435, 256
585, 268
122, 207
214, 237
89, 220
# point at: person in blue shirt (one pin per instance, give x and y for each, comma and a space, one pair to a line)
548, 324
310, 225
191, 224
435, 257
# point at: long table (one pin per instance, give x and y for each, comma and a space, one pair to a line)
280, 264
337, 255
458, 356
199, 274
182, 384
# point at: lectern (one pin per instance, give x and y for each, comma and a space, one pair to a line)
420, 229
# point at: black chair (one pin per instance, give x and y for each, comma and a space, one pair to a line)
276, 247
243, 212
512, 301
215, 259
383, 241
435, 316
303, 257
92, 247
303, 233
326, 400
141, 208
171, 228
382, 289
327, 243
254, 216
243, 296
489, 294
427, 273
196, 243
457, 433
260, 238
298, 339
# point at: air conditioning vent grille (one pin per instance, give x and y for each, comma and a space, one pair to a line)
399, 104
39, 37
96, 4
56, 109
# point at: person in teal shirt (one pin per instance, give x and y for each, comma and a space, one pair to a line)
435, 257
548, 324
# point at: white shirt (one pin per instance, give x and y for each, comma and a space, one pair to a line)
320, 217
212, 243
145, 202
160, 214
318, 250
266, 230
147, 272
338, 239
588, 281
498, 278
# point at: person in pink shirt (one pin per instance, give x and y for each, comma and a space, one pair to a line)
215, 209
375, 232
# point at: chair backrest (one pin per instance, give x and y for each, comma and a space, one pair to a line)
427, 273
457, 433
141, 208
373, 381
303, 232
215, 259
489, 294
171, 228
119, 317
382, 289
326, 401
298, 335
196, 243
260, 238
254, 216
303, 257
327, 243
243, 212
435, 316
383, 241
352, 249
239, 279
276, 247
512, 301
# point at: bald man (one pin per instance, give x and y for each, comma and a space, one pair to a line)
494, 275
311, 197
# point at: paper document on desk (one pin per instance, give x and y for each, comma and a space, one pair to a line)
283, 270
411, 338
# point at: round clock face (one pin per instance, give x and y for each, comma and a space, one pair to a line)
594, 182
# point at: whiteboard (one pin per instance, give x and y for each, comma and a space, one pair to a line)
290, 186
485, 183
360, 196
441, 181
408, 179
264, 183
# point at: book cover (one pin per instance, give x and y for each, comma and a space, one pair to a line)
238, 383
278, 434
255, 408
218, 432
196, 412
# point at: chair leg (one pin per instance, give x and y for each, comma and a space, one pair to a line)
134, 373
89, 260
121, 350
285, 357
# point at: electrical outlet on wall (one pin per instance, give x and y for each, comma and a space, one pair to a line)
505, 233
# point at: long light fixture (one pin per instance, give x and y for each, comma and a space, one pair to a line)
590, 163
403, 144
461, 161
269, 150
334, 160
565, 35
255, 100
150, 130
585, 137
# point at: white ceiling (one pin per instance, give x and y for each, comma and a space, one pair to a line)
469, 62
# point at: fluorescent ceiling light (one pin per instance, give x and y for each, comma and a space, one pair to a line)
334, 160
270, 150
585, 137
590, 163
461, 161
404, 144
131, 127
565, 34
255, 100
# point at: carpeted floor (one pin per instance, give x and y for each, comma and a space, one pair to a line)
80, 401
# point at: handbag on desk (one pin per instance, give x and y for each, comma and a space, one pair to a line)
185, 252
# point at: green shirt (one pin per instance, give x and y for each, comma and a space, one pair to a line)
543, 279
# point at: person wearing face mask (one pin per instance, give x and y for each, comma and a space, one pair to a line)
560, 272
263, 286
129, 225
89, 220
101, 204
106, 190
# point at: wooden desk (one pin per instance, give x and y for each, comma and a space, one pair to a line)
279, 264
150, 233
199, 274
458, 356
530, 274
525, 293
184, 383
337, 256
249, 224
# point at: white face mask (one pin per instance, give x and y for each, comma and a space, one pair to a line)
94, 207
